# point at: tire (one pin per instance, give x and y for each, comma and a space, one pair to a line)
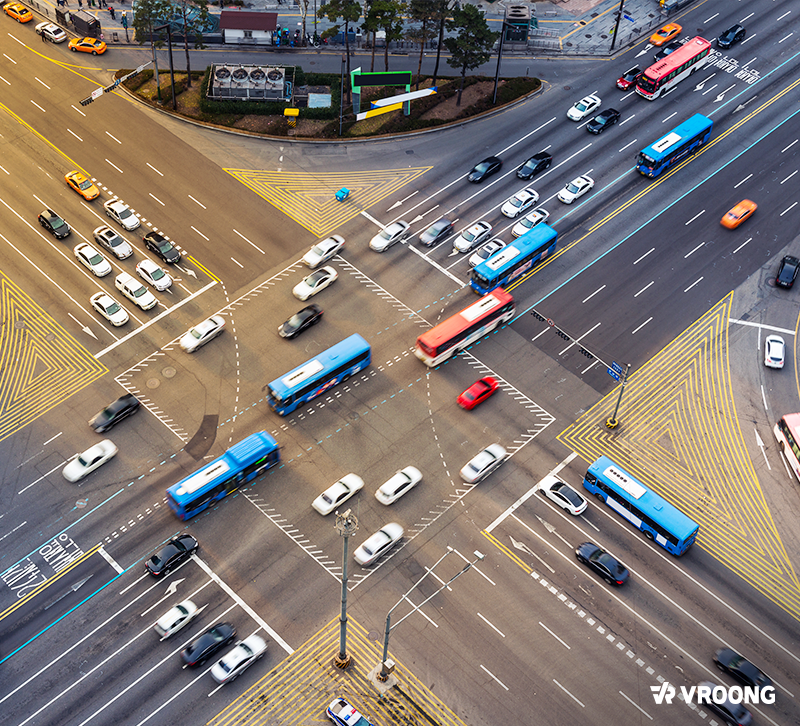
94, 52
649, 535
600, 497
74, 50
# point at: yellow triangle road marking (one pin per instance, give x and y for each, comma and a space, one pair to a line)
309, 198
679, 434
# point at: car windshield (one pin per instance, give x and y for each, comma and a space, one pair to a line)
483, 166
516, 201
124, 213
82, 461
85, 184
319, 250
581, 106
164, 246
572, 188
95, 258
113, 308
139, 292
114, 240
57, 222
469, 236
157, 273
568, 493
316, 277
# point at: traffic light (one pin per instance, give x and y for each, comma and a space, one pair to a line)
86, 101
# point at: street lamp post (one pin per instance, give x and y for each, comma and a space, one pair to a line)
499, 56
171, 67
612, 422
384, 672
346, 525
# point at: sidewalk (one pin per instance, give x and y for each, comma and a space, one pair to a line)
566, 27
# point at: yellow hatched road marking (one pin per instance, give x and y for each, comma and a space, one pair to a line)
41, 364
300, 688
309, 198
680, 435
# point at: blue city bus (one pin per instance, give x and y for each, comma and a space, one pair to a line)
317, 375
674, 146
642, 507
516, 258
240, 464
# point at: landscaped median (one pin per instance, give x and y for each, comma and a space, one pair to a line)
267, 117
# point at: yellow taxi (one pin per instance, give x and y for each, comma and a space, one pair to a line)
665, 34
82, 185
19, 12
743, 210
87, 45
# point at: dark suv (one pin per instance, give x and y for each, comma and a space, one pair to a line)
787, 272
159, 245
54, 224
731, 36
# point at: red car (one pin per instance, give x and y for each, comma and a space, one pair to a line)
629, 78
477, 393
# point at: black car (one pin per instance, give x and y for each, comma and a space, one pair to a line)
172, 554
733, 714
485, 169
667, 49
112, 414
729, 661
787, 272
301, 320
608, 567
54, 224
160, 246
437, 231
208, 643
537, 163
731, 36
602, 121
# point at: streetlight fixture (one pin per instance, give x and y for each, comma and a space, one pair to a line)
386, 665
346, 525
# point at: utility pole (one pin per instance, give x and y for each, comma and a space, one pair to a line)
346, 525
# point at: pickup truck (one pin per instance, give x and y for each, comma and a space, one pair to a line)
137, 293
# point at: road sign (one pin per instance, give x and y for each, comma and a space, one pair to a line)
97, 93
617, 367
614, 374
627, 17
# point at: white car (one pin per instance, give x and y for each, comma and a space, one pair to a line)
85, 463
483, 464
472, 237
52, 32
153, 275
137, 293
378, 544
576, 188
121, 214
338, 493
176, 618
239, 659
389, 235
314, 283
520, 202
485, 252
529, 221
774, 351
583, 108
558, 491
323, 251
400, 483
201, 333
108, 238
109, 308
91, 259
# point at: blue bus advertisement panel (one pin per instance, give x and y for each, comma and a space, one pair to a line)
240, 464
314, 377
674, 146
656, 517
514, 260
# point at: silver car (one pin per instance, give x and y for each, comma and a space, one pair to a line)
201, 333
390, 235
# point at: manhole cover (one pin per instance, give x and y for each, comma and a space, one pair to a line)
169, 372
20, 325
153, 383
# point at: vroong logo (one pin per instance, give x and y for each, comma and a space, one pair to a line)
709, 693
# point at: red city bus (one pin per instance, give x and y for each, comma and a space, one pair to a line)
787, 432
664, 74
464, 328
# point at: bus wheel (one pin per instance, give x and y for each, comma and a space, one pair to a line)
600, 497
649, 535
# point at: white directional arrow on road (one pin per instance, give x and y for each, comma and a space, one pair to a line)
760, 445
85, 328
527, 550
700, 86
721, 95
